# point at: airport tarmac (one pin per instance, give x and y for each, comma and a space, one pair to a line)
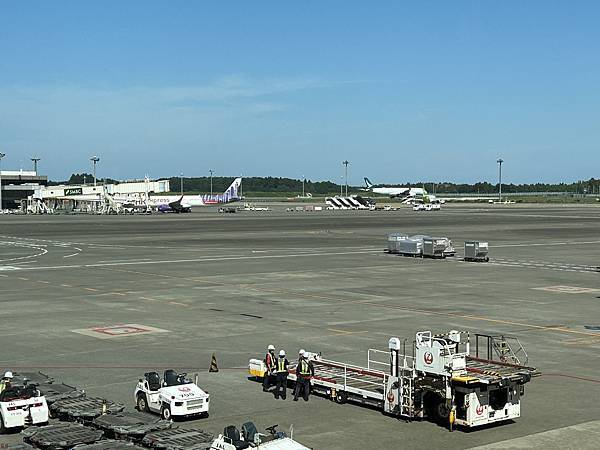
233, 283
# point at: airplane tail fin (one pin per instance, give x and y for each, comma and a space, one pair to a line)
368, 183
233, 191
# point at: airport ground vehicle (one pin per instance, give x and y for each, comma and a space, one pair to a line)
21, 406
174, 395
441, 380
249, 437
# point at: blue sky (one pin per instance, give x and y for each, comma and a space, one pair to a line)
405, 91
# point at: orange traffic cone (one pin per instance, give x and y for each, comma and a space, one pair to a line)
213, 364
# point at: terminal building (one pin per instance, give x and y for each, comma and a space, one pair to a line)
17, 185
102, 198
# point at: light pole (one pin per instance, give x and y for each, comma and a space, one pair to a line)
341, 185
500, 161
181, 182
95, 160
211, 175
303, 191
345, 163
35, 160
2, 155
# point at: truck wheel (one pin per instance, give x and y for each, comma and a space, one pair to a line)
341, 397
142, 403
165, 412
2, 429
442, 412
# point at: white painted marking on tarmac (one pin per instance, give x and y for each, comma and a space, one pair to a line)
582, 436
71, 255
194, 260
546, 244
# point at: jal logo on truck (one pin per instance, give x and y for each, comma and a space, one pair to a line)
479, 410
184, 389
428, 358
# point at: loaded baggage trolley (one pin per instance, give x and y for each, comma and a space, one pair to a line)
440, 381
476, 251
393, 242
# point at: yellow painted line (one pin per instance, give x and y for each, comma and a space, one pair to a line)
582, 341
427, 312
344, 332
387, 306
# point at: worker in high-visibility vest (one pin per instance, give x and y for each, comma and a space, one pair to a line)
282, 365
270, 366
6, 380
304, 371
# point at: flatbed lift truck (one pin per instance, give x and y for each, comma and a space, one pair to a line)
440, 381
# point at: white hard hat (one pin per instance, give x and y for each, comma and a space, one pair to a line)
271, 347
8, 374
282, 353
301, 352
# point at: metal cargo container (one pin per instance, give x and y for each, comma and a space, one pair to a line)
393, 242
411, 247
476, 251
434, 247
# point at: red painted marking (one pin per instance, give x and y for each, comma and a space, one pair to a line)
428, 358
120, 330
184, 389
479, 410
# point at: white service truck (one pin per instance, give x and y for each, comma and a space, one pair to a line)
441, 380
250, 438
174, 395
22, 406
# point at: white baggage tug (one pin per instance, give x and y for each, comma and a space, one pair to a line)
22, 406
440, 380
172, 396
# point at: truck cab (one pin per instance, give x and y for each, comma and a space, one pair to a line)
173, 395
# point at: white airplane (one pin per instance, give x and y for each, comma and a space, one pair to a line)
184, 203
406, 194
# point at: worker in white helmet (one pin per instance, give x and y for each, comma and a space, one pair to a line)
282, 374
6, 380
304, 371
270, 367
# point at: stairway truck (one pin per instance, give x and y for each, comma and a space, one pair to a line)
440, 381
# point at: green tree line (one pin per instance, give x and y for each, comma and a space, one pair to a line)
281, 185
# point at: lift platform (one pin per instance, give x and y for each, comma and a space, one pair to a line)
62, 436
178, 439
84, 409
132, 425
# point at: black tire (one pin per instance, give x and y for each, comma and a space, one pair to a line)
2, 429
341, 397
442, 413
142, 403
165, 412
